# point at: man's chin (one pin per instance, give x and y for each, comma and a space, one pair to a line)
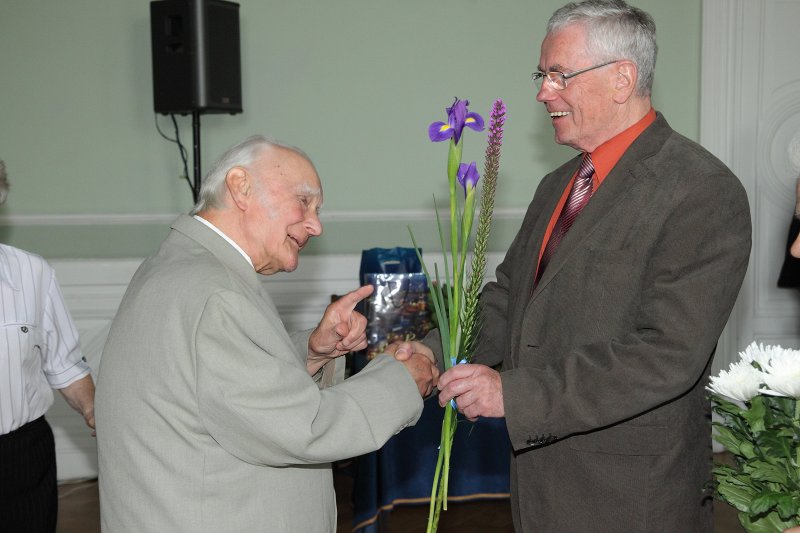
291, 265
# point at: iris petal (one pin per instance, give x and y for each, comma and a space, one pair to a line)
458, 116
474, 121
468, 175
439, 131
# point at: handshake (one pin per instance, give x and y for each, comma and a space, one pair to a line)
343, 330
420, 363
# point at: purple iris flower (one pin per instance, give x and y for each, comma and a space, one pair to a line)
457, 117
468, 176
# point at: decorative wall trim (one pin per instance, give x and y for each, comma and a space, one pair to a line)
367, 216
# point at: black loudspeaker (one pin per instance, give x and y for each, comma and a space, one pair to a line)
196, 56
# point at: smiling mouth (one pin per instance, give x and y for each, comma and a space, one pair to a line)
557, 114
298, 243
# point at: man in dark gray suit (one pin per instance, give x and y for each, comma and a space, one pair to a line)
606, 334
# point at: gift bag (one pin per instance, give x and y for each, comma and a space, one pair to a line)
398, 307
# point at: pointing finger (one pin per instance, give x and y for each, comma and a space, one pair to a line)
349, 301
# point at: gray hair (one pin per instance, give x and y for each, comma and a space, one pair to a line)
614, 30
3, 182
244, 154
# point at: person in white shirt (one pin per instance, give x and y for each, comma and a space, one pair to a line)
39, 352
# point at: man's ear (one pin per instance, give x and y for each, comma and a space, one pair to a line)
240, 185
625, 82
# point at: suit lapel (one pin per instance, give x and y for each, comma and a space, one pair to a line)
537, 219
614, 190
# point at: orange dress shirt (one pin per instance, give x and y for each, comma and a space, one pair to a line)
603, 158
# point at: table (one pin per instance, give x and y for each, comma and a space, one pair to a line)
401, 473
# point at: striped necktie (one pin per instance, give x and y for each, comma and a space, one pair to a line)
577, 199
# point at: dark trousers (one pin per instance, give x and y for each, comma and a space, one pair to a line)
28, 491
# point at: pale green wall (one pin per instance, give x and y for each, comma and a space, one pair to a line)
353, 82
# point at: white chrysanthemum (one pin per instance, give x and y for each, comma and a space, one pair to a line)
759, 354
782, 374
740, 382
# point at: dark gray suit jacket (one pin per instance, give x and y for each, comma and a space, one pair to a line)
605, 363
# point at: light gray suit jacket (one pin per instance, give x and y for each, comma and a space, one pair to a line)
207, 419
605, 362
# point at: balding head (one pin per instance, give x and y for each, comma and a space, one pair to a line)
247, 153
270, 206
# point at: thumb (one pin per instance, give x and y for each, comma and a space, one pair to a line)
403, 352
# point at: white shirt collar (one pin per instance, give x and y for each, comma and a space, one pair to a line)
221, 234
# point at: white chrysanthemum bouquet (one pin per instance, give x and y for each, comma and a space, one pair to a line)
761, 429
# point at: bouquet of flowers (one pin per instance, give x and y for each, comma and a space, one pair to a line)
455, 292
761, 429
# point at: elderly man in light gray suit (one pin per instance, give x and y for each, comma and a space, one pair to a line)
211, 417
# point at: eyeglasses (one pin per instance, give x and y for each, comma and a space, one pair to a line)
558, 80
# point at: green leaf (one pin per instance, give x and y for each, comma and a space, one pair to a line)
764, 502
776, 448
764, 471
724, 406
786, 406
755, 415
723, 471
728, 439
769, 523
747, 450
787, 507
737, 496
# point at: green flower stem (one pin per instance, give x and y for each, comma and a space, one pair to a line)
441, 475
433, 513
453, 162
448, 429
466, 223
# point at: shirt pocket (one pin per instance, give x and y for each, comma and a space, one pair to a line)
24, 352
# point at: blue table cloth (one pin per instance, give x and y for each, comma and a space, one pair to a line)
402, 471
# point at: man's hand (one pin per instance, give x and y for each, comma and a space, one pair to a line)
341, 330
419, 361
403, 350
80, 396
477, 389
422, 370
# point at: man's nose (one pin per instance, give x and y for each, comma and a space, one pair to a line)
546, 93
314, 225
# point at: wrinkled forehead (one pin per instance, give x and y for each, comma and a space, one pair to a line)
563, 48
286, 166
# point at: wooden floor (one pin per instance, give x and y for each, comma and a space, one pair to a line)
79, 513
